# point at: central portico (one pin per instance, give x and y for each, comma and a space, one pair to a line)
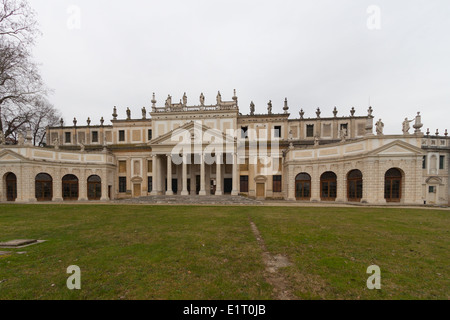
195, 148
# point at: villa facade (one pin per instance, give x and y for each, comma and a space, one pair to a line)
201, 149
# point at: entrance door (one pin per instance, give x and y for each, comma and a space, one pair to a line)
260, 190
213, 186
197, 184
227, 185
137, 190
175, 186
11, 187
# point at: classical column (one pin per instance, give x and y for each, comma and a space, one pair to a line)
184, 192
2, 189
193, 179
341, 183
219, 175
104, 186
235, 190
154, 175
169, 191
57, 187
82, 186
202, 175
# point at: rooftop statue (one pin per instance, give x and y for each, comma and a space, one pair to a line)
169, 101
379, 127
406, 126
219, 98
202, 100
56, 143
184, 99
269, 107
252, 108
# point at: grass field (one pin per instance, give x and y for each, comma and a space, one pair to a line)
182, 252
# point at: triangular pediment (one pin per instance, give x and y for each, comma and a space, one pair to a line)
192, 132
8, 156
397, 148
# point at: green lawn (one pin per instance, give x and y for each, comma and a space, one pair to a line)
182, 252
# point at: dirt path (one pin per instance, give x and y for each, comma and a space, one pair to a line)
272, 274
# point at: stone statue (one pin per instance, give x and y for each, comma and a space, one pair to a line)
82, 146
343, 134
56, 143
128, 114
202, 100
219, 98
369, 112
406, 126
144, 113
379, 127
21, 139
169, 101
269, 107
316, 140
184, 99
252, 108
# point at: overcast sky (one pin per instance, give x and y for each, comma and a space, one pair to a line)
320, 53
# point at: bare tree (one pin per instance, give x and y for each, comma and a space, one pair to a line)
44, 115
22, 90
18, 22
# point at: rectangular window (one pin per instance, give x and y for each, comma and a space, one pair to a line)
431, 189
441, 162
244, 132
122, 184
424, 162
244, 184
121, 135
310, 131
122, 166
276, 183
149, 134
68, 137
150, 184
149, 166
277, 132
94, 136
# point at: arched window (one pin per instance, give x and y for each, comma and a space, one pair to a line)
393, 185
70, 187
11, 187
354, 186
43, 187
328, 186
303, 186
94, 188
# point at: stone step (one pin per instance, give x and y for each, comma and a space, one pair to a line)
192, 200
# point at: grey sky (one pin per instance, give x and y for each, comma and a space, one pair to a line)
316, 53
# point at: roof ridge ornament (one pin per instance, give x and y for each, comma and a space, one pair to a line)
286, 107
